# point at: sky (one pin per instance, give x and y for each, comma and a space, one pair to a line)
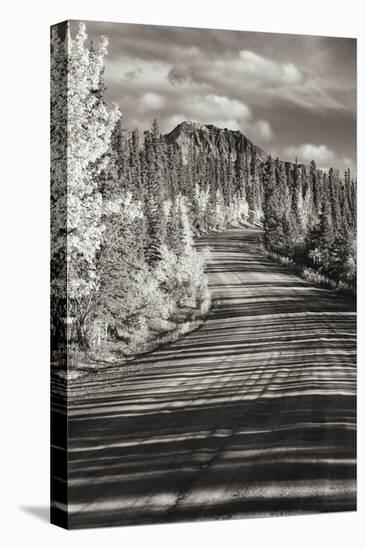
292, 95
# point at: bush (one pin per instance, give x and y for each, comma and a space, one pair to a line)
182, 277
141, 306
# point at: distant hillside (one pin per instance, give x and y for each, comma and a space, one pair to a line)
216, 141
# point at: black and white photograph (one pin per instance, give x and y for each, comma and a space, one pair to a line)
203, 274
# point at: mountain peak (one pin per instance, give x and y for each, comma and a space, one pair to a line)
213, 140
190, 126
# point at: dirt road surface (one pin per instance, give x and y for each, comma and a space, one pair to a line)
253, 414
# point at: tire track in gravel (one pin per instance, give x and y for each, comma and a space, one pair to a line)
252, 414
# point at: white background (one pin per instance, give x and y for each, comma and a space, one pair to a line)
24, 196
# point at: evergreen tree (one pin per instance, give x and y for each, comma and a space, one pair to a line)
316, 192
134, 164
154, 199
272, 206
322, 238
241, 175
76, 77
333, 186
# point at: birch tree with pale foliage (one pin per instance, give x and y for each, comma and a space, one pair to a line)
80, 136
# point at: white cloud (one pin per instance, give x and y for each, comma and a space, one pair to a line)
307, 152
291, 73
221, 111
323, 156
346, 163
137, 74
152, 101
244, 73
264, 81
211, 106
268, 70
262, 129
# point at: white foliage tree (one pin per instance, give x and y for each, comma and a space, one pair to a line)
219, 214
201, 199
186, 230
238, 210
81, 130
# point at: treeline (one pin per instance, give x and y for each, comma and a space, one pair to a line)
216, 189
310, 217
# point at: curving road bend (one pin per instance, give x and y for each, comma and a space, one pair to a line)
253, 414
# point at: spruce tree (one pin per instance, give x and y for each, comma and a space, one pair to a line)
272, 206
154, 205
333, 186
134, 163
316, 191
321, 239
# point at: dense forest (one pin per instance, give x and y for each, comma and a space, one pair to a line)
135, 201
309, 216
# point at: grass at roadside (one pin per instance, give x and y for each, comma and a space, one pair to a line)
311, 276
183, 321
